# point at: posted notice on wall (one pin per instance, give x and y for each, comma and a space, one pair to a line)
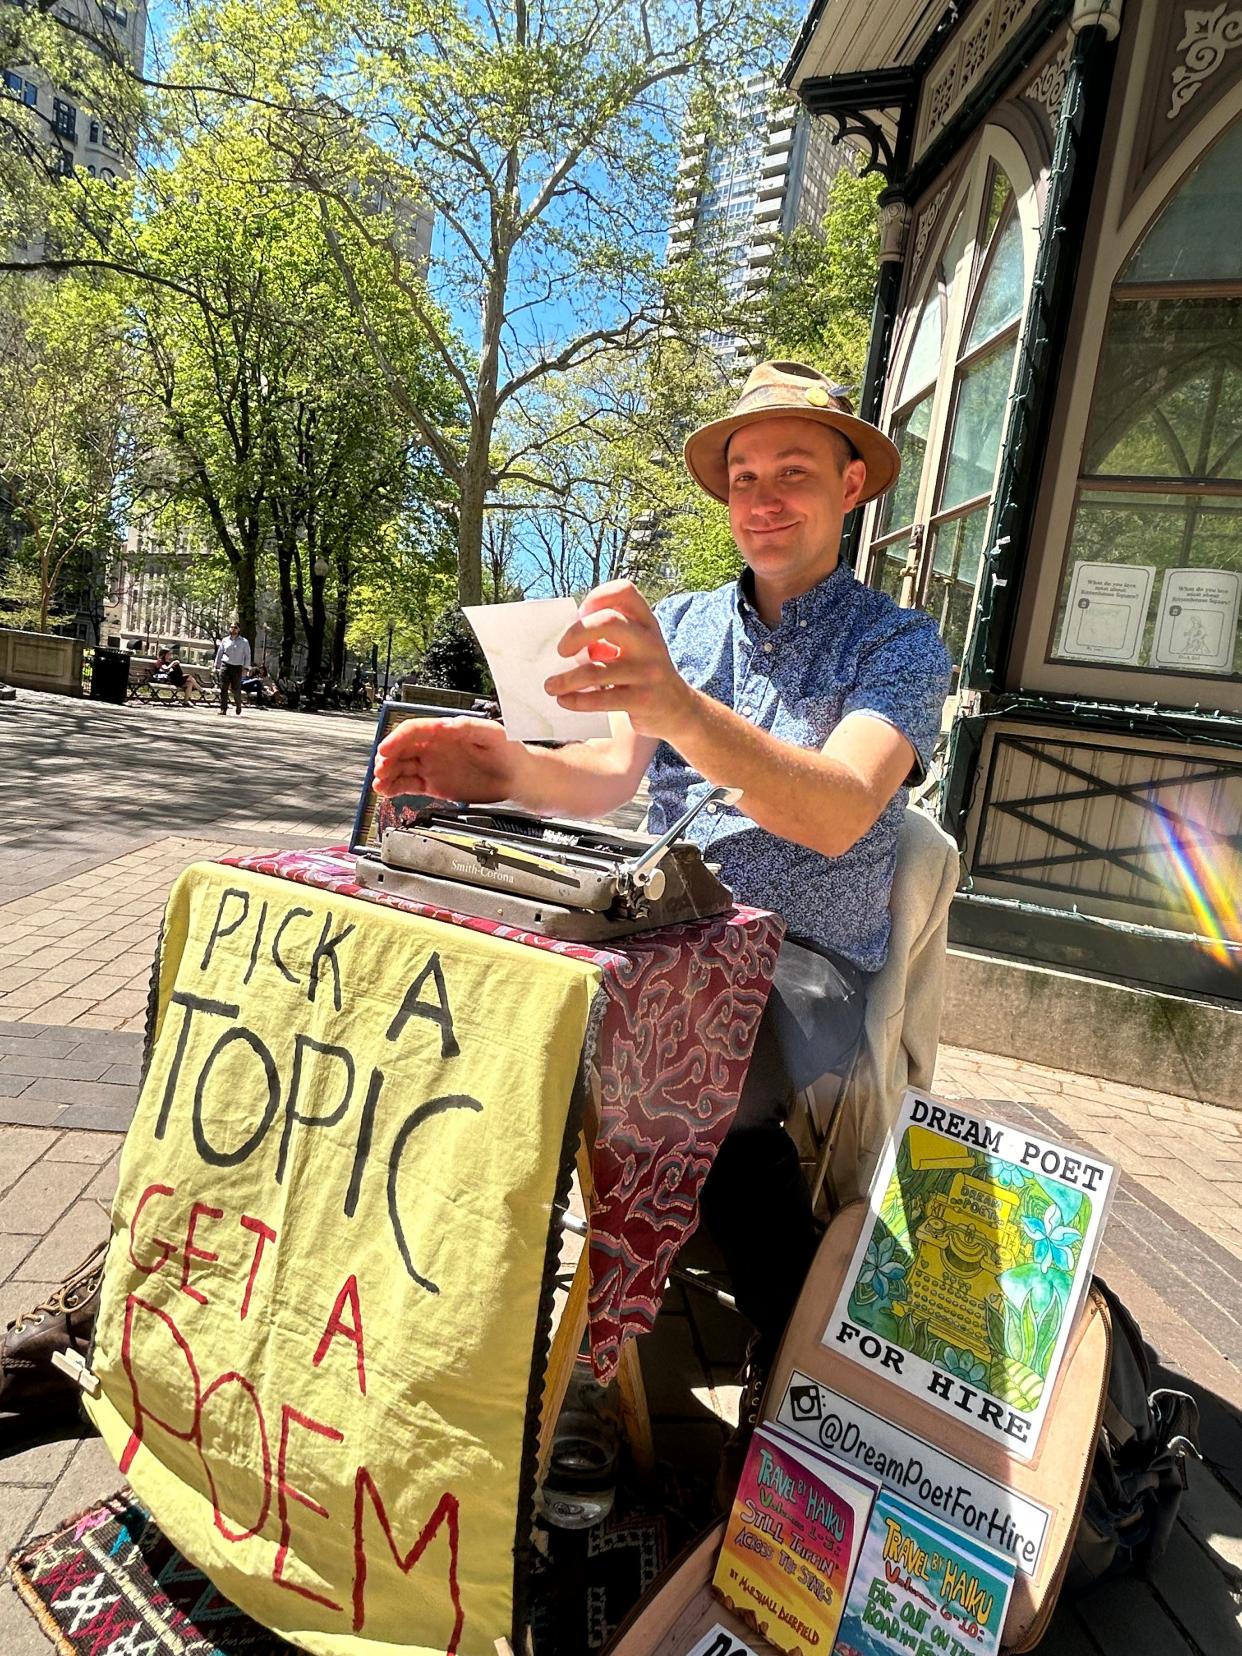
1197, 620
1106, 612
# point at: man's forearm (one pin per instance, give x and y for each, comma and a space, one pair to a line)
802, 794
581, 780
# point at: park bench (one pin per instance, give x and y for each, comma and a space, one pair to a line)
143, 689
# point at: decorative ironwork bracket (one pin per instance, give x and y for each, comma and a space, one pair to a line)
854, 103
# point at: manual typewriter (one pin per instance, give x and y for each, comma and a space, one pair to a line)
581, 881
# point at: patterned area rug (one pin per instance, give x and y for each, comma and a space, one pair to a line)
108, 1583
108, 1580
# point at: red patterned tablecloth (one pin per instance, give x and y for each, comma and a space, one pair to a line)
682, 1008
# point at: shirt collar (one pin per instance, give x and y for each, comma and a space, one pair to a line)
808, 608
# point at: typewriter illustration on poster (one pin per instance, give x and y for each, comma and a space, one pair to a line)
970, 1236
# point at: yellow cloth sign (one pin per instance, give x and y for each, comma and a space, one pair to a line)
330, 1234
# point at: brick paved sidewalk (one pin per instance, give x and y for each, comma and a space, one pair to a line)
76, 943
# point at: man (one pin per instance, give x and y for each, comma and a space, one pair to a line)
232, 659
815, 696
818, 698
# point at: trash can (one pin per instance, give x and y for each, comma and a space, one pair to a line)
110, 675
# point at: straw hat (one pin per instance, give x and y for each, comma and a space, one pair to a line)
775, 390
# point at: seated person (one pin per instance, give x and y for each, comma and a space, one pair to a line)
168, 670
262, 686
818, 698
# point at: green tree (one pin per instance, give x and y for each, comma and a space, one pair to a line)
542, 140
816, 307
277, 429
67, 440
616, 499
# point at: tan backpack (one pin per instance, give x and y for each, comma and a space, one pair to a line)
1030, 1508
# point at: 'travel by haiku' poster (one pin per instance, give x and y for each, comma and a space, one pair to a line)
969, 1270
922, 1589
791, 1542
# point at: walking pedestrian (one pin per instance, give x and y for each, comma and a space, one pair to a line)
232, 659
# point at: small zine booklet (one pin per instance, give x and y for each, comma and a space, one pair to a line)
971, 1266
792, 1542
924, 1586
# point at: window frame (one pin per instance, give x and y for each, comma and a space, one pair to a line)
1052, 545
966, 204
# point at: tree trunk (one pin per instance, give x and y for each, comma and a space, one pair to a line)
246, 580
470, 540
288, 615
343, 580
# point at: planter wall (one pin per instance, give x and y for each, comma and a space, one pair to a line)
41, 661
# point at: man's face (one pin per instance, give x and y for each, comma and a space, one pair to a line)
234, 630
790, 485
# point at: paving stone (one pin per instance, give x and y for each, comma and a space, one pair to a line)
82, 1147
20, 1633
42, 1043
65, 1246
79, 1067
19, 1147
45, 1191
18, 1510
16, 1246
52, 1090
98, 1118
29, 1113
38, 1464
125, 1075
91, 1475
13, 1086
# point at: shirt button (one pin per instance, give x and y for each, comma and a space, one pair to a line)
802, 623
767, 648
712, 808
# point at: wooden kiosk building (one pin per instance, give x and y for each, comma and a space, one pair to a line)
1057, 351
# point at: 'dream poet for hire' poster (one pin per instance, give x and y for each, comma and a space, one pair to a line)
971, 1265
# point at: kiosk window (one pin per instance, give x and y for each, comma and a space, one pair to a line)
1153, 576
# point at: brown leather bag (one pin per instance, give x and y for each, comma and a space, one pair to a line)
680, 1608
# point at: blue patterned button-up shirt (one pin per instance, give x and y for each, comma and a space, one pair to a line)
839, 648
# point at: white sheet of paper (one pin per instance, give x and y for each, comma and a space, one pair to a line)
1106, 612
1197, 621
519, 641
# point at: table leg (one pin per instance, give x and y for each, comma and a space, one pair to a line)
635, 1419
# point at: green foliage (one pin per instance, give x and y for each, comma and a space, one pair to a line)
613, 498
403, 589
66, 432
82, 55
702, 552
21, 599
818, 303
277, 436
542, 141
454, 660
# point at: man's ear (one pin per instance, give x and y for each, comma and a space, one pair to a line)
855, 479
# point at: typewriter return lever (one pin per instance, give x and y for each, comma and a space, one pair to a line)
643, 874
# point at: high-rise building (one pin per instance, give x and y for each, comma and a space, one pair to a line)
78, 139
768, 171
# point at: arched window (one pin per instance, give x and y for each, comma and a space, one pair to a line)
948, 417
1153, 574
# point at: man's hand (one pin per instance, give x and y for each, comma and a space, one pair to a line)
629, 669
466, 759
